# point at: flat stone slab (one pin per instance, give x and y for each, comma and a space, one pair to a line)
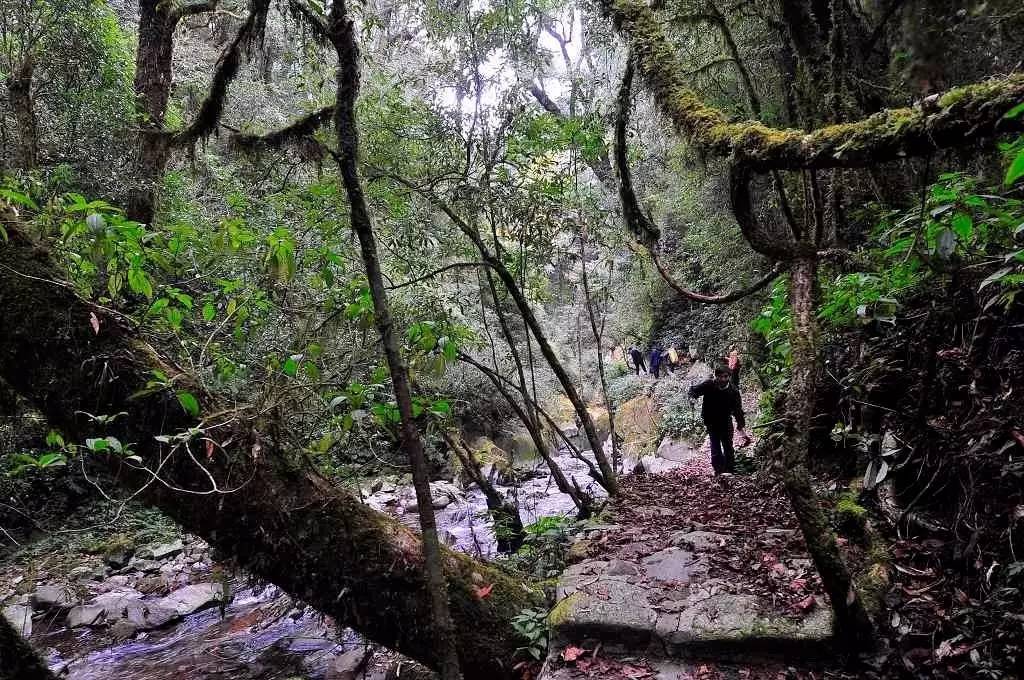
667, 605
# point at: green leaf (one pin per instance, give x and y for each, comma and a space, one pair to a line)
209, 311
994, 278
963, 225
1014, 112
290, 367
97, 444
189, 402
52, 460
1016, 169
159, 305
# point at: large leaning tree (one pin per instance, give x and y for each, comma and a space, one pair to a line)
220, 472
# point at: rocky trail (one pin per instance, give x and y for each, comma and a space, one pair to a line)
698, 577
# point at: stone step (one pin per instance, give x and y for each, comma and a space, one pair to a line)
666, 606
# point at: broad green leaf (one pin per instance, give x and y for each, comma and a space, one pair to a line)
963, 225
97, 444
1016, 169
209, 311
1014, 112
290, 367
189, 402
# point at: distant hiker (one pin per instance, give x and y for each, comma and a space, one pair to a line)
734, 364
673, 358
638, 359
655, 360
721, 404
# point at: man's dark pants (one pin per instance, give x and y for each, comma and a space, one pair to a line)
723, 458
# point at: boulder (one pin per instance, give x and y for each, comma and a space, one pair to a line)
149, 615
160, 551
621, 568
54, 597
118, 559
20, 618
122, 630
85, 615
192, 598
349, 665
145, 566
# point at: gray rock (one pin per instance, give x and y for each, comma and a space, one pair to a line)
20, 618
348, 665
150, 584
160, 551
149, 615
621, 568
192, 598
700, 541
118, 559
673, 564
85, 615
122, 630
80, 572
54, 597
145, 566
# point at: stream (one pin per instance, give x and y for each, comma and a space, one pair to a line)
263, 634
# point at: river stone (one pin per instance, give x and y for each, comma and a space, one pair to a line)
122, 630
149, 615
160, 551
54, 596
20, 618
84, 615
348, 665
192, 598
143, 565
117, 559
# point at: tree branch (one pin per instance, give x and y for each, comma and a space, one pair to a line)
290, 134
965, 115
230, 60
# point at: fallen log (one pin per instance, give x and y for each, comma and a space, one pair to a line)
222, 475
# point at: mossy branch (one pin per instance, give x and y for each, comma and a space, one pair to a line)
212, 108
961, 116
290, 134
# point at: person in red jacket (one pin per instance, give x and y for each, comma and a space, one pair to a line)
721, 404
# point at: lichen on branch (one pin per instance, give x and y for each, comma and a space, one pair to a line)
964, 115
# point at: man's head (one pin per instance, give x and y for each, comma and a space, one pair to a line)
722, 377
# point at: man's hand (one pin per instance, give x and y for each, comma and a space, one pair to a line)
746, 437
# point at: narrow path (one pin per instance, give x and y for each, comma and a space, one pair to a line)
695, 575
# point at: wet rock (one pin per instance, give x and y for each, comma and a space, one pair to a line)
621, 568
160, 551
20, 618
99, 572
85, 615
149, 615
54, 597
82, 572
192, 598
578, 551
123, 630
349, 665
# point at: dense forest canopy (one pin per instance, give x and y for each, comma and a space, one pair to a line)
256, 253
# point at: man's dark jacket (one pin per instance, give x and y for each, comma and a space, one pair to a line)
719, 404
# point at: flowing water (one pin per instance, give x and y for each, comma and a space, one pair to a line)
261, 634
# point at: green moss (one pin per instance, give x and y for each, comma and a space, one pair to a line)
559, 614
850, 516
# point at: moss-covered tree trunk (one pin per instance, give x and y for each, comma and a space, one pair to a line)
18, 661
280, 519
852, 625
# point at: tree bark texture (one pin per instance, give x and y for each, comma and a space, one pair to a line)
342, 32
281, 520
18, 661
154, 59
19, 98
852, 625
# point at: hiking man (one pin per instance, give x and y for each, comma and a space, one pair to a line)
638, 359
721, 404
673, 358
655, 360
